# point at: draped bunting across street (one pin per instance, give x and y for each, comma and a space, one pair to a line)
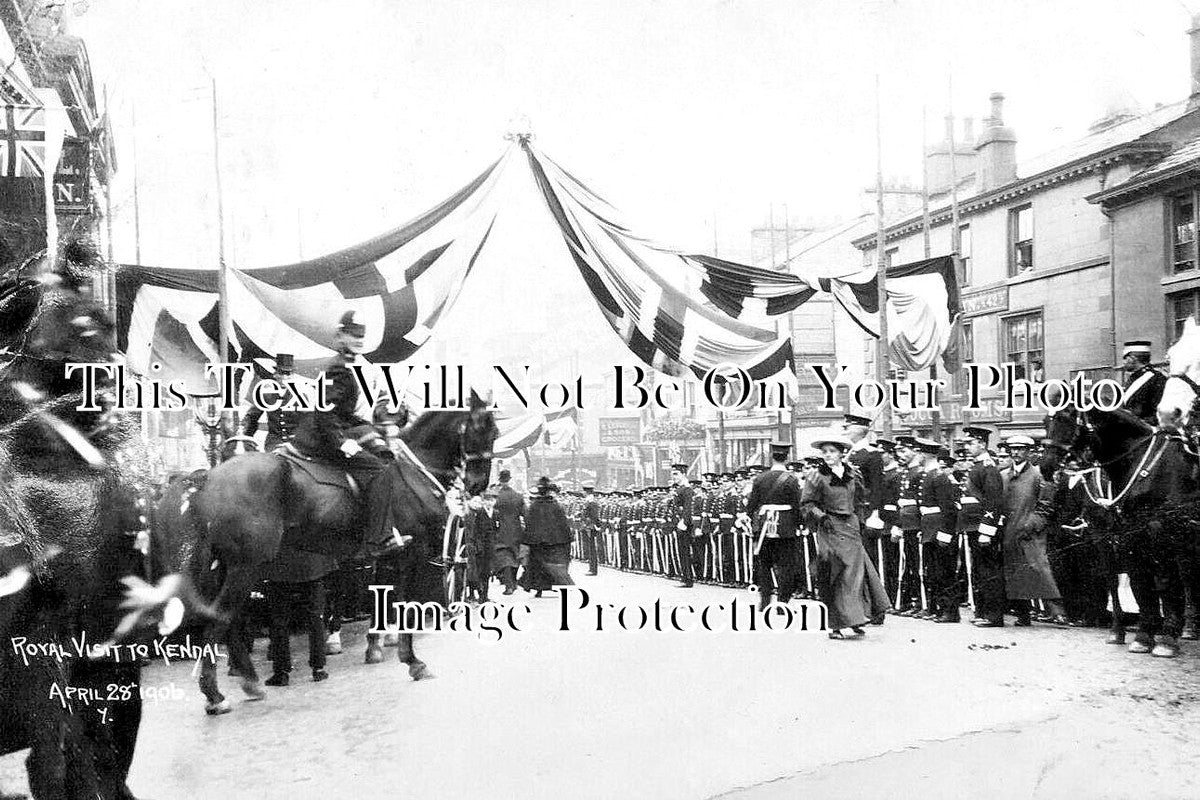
676, 312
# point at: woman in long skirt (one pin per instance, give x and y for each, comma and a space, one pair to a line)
830, 501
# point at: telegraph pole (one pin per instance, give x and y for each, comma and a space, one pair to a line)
883, 345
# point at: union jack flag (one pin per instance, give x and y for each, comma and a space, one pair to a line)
22, 141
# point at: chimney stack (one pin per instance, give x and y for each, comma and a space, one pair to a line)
1194, 40
937, 157
997, 149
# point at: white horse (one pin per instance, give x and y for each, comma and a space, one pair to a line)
1183, 385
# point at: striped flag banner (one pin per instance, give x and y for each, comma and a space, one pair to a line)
659, 300
401, 283
923, 309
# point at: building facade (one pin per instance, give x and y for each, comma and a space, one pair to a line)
47, 91
1065, 256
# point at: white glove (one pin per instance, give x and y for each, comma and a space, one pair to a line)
874, 522
350, 448
896, 534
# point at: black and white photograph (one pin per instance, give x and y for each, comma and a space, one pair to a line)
680, 400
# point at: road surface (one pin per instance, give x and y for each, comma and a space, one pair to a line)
913, 710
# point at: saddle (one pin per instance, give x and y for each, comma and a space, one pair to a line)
322, 472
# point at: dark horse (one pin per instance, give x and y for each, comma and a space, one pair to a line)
1149, 501
69, 526
228, 525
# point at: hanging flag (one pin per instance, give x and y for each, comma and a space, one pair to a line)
23, 141
923, 309
401, 283
655, 297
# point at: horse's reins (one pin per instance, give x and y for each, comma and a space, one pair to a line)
1142, 470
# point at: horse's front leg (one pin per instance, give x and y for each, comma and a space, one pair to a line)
417, 668
228, 606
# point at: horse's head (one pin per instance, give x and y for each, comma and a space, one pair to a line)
48, 319
1066, 436
1182, 392
478, 435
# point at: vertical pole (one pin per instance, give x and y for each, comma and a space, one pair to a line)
883, 345
101, 283
222, 284
722, 454
925, 220
771, 223
137, 213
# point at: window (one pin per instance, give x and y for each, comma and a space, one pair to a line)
964, 255
1183, 233
1023, 344
966, 356
1183, 306
1020, 234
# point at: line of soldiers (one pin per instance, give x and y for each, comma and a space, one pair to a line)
692, 530
943, 527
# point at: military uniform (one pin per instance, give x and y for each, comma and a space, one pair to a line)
281, 424
980, 521
1144, 388
939, 520
774, 509
908, 519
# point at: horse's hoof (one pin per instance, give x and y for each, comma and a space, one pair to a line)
333, 644
1138, 646
1115, 638
391, 639
1164, 651
216, 709
418, 671
1190, 633
254, 690
374, 655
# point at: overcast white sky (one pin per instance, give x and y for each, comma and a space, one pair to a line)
344, 118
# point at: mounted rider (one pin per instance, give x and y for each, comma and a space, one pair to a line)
341, 437
1145, 383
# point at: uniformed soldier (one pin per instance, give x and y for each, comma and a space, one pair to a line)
887, 555
589, 522
980, 520
1144, 384
911, 596
338, 437
939, 520
774, 508
281, 424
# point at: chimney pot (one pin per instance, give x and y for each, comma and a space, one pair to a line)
1194, 43
997, 120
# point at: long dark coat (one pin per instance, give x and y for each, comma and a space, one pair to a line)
510, 516
480, 541
1028, 509
847, 581
548, 534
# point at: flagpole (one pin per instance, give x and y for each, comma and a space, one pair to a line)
720, 410
222, 280
925, 221
137, 213
882, 346
108, 296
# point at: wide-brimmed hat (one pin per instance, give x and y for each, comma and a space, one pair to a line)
836, 439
